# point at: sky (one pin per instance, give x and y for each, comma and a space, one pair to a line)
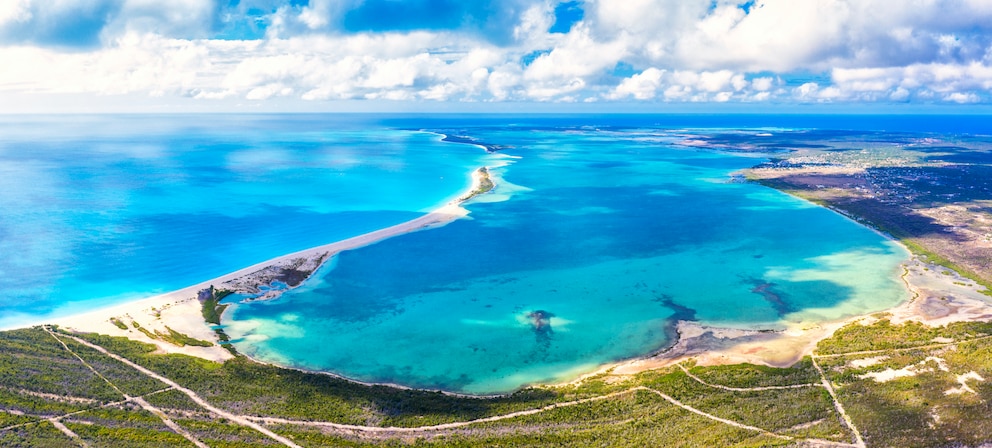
494, 55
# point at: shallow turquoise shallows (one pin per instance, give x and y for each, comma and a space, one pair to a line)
98, 210
601, 233
592, 245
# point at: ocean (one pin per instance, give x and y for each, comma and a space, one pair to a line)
602, 231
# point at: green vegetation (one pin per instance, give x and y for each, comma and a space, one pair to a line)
926, 407
486, 184
176, 338
885, 336
117, 323
225, 341
750, 375
212, 308
897, 221
249, 387
41, 435
144, 330
173, 337
41, 379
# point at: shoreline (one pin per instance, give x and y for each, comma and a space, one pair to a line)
180, 311
938, 298
940, 295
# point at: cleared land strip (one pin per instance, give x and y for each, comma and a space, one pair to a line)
88, 366
713, 417
257, 422
833, 394
139, 400
168, 422
53, 397
65, 416
443, 426
192, 395
446, 426
840, 407
904, 349
68, 432
745, 389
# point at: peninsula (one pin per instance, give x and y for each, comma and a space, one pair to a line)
153, 373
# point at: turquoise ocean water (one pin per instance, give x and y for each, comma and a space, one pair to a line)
100, 210
601, 232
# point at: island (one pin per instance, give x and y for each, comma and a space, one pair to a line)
159, 373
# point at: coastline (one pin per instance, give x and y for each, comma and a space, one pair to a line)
939, 298
180, 311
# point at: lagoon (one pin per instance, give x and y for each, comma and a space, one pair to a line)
603, 231
592, 245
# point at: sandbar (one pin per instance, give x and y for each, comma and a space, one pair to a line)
940, 296
181, 310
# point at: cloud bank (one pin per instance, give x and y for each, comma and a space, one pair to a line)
700, 51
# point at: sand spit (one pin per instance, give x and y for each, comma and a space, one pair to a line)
940, 297
149, 320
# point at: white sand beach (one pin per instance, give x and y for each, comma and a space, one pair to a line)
181, 311
940, 297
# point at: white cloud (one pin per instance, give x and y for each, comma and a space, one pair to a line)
504, 82
136, 64
578, 55
962, 98
720, 86
534, 23
762, 84
641, 86
956, 81
16, 11
806, 91
680, 50
188, 18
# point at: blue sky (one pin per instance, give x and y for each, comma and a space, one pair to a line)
491, 55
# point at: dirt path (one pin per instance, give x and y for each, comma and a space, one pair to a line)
860, 442
168, 422
899, 350
713, 417
65, 416
88, 366
68, 432
258, 422
444, 426
192, 395
54, 397
744, 389
139, 400
833, 394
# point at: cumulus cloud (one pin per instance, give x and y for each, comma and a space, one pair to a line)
720, 86
937, 51
14, 11
956, 82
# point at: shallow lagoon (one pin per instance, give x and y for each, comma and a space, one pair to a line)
592, 244
595, 240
